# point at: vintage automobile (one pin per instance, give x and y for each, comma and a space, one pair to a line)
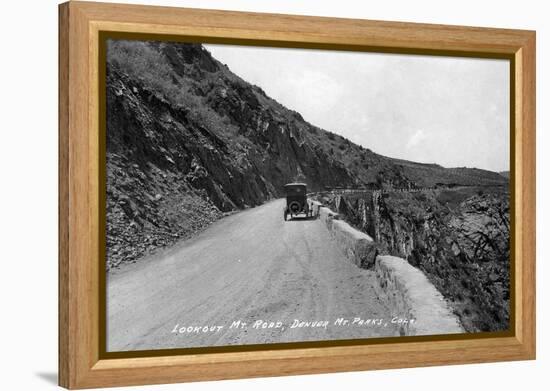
296, 200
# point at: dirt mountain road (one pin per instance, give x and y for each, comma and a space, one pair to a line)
250, 267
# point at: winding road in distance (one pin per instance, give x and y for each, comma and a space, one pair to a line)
249, 270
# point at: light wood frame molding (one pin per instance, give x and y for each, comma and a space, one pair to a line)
80, 24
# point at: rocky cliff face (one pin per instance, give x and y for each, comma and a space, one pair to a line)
194, 142
188, 141
458, 237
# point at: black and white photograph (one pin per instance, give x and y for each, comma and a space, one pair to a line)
266, 195
275, 195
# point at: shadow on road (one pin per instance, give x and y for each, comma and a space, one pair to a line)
301, 218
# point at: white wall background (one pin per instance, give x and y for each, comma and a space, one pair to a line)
28, 196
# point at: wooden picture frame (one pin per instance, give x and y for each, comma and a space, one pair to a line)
81, 364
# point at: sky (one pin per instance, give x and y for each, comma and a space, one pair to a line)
446, 110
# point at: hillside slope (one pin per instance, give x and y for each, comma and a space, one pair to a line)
188, 141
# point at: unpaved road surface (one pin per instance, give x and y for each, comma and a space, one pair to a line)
248, 267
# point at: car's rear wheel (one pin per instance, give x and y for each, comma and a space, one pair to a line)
294, 207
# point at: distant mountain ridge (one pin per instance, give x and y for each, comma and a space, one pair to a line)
188, 140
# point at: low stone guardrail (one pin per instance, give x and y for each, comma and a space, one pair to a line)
409, 295
359, 247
